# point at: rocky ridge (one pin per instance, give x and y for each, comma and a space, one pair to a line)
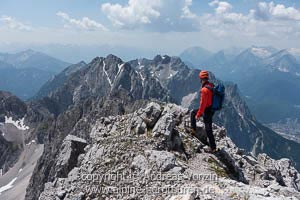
134, 150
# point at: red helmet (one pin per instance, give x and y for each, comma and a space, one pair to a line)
203, 74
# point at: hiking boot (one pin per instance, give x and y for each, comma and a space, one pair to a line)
206, 149
210, 150
216, 150
193, 131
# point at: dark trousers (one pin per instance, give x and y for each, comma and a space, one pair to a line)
207, 118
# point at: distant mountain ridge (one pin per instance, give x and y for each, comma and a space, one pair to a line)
33, 59
195, 55
25, 72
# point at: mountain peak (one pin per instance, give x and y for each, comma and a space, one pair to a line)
284, 54
29, 51
195, 55
112, 57
196, 49
260, 52
157, 59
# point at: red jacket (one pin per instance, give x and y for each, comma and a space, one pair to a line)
206, 98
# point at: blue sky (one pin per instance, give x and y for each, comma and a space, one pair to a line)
166, 25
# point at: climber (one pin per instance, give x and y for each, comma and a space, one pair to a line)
205, 110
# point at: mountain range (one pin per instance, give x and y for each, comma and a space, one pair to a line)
25, 72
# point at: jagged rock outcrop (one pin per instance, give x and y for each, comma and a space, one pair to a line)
71, 148
119, 160
104, 77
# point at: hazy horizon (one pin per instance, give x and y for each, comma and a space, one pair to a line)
151, 27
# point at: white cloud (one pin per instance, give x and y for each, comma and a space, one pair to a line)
266, 22
12, 23
213, 3
137, 12
223, 14
84, 24
267, 11
222, 6
153, 15
186, 12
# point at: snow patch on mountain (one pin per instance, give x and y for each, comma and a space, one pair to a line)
8, 186
31, 142
19, 123
26, 55
283, 69
294, 51
120, 68
108, 79
260, 52
143, 78
253, 152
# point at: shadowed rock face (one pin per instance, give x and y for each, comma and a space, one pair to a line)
67, 159
11, 106
58, 80
118, 146
9, 153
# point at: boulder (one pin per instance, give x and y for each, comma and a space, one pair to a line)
164, 160
67, 159
151, 114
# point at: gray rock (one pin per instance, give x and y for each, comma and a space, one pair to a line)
165, 126
61, 194
183, 197
164, 160
141, 127
67, 159
140, 162
151, 114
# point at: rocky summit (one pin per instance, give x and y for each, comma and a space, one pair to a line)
150, 154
